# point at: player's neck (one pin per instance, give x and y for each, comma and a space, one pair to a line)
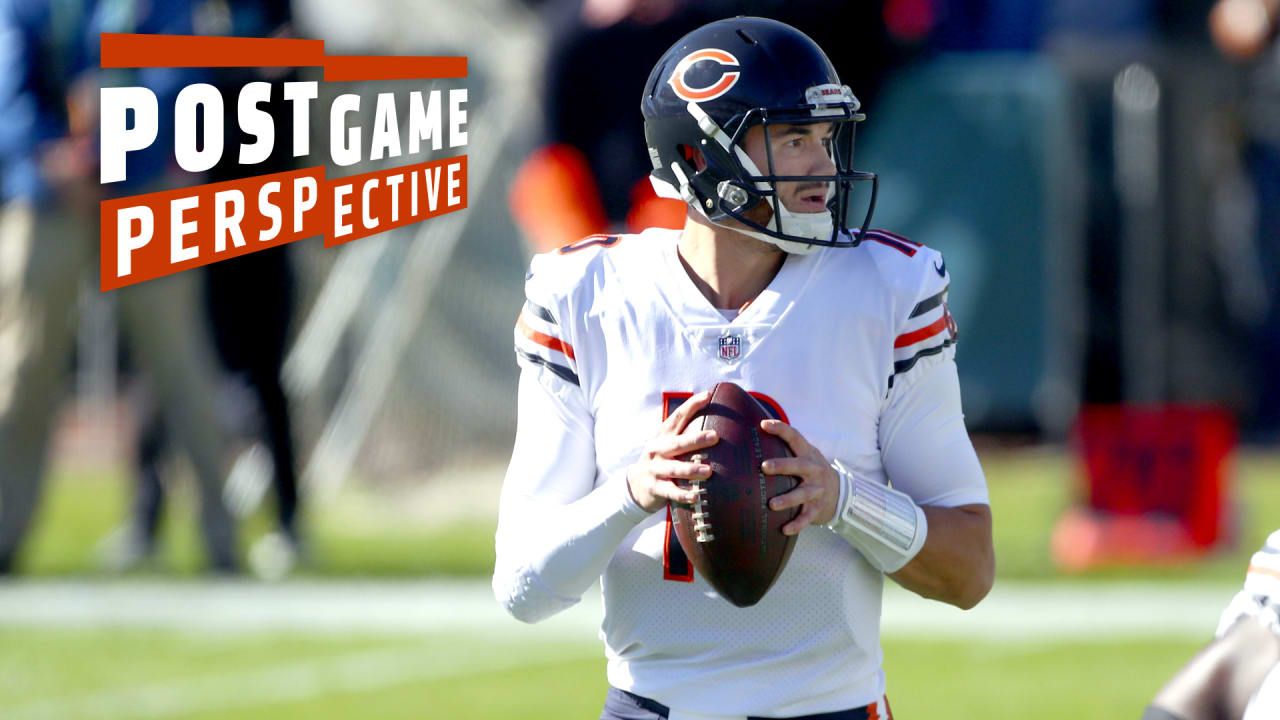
729, 268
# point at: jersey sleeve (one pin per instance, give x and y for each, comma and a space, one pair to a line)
542, 341
924, 444
927, 335
556, 530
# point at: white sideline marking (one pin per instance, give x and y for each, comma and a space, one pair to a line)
338, 607
1013, 611
1056, 611
281, 683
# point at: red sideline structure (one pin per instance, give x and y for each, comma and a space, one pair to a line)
1154, 488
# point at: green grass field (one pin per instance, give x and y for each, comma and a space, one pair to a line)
48, 671
157, 674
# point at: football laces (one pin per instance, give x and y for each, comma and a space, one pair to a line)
701, 526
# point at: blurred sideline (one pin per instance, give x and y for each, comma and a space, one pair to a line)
1014, 612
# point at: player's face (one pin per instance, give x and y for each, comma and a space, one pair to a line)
797, 150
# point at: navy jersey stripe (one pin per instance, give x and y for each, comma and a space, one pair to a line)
898, 245
902, 366
929, 303
539, 312
590, 240
560, 371
895, 236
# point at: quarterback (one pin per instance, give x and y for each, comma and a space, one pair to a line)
844, 332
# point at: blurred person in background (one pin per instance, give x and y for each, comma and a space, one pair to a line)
49, 79
249, 302
1245, 31
251, 299
1237, 676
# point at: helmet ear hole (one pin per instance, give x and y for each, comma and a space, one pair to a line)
693, 156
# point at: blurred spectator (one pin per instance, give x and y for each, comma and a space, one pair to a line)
251, 298
48, 92
1246, 31
970, 25
249, 302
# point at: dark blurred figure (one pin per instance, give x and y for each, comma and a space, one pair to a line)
1246, 32
1153, 315
49, 81
250, 304
969, 25
591, 173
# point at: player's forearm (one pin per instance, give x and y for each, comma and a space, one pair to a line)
549, 555
956, 565
583, 537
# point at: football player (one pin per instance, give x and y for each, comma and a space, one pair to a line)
1237, 676
844, 331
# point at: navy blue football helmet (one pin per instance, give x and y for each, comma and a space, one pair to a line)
716, 83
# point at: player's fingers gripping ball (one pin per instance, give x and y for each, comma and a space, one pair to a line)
676, 445
676, 421
819, 491
650, 479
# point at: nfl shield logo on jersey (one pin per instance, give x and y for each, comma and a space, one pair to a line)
730, 347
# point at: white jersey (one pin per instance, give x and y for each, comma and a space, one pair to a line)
853, 347
1259, 599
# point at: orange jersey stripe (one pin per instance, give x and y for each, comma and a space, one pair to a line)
543, 339
916, 336
873, 710
1260, 570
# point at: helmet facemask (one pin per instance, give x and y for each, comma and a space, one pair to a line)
731, 187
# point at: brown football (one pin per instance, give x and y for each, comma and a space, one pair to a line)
730, 534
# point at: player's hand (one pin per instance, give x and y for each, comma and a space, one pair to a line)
650, 478
819, 490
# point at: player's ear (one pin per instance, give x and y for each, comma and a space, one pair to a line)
694, 157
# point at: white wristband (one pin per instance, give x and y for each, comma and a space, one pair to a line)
884, 524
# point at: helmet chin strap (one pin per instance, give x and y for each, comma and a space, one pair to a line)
817, 226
